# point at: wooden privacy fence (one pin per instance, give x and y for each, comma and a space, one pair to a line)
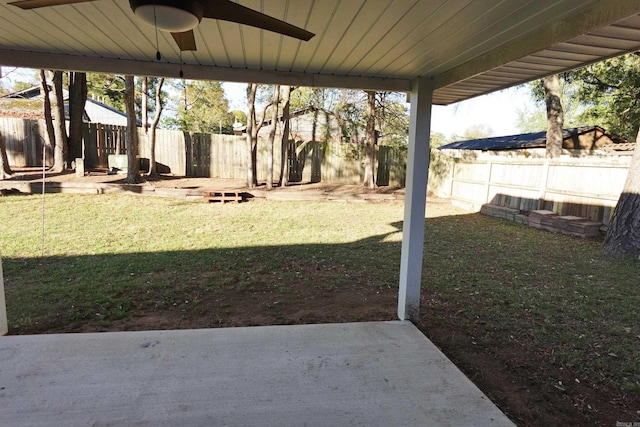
209, 155
588, 187
24, 141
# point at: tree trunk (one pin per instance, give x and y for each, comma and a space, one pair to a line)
284, 160
77, 100
48, 118
144, 104
5, 169
555, 116
60, 130
370, 147
154, 126
272, 135
623, 233
132, 131
251, 125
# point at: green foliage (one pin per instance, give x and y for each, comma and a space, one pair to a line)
106, 88
241, 116
392, 117
535, 120
438, 139
348, 108
202, 107
478, 131
606, 94
610, 91
152, 84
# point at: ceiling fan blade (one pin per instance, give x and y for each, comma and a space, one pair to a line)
185, 40
33, 4
227, 10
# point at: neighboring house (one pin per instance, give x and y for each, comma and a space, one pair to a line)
27, 104
582, 138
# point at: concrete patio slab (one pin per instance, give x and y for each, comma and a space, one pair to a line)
355, 374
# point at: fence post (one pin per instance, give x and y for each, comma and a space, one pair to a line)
488, 182
543, 183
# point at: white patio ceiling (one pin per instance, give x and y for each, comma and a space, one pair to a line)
468, 47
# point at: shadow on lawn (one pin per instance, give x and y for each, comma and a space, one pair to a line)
204, 288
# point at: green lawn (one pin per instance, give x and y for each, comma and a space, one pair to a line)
111, 259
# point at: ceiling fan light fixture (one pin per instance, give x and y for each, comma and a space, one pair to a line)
174, 17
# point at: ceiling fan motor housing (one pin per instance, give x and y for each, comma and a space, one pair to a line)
168, 15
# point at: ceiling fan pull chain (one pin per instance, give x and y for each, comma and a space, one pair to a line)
181, 73
155, 26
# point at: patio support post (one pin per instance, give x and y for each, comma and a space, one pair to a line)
415, 200
4, 325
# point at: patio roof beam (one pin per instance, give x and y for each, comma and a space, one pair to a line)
54, 61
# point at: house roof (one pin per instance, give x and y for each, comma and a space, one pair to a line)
512, 142
34, 110
467, 48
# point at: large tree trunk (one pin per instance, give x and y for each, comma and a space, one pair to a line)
154, 126
284, 160
555, 116
132, 130
370, 147
272, 135
77, 101
623, 234
5, 169
60, 130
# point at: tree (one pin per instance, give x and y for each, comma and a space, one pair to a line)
107, 88
154, 125
555, 116
610, 91
253, 127
144, 103
204, 108
132, 130
623, 233
392, 117
535, 120
370, 144
46, 100
5, 169
284, 159
60, 130
77, 100
477, 131
272, 134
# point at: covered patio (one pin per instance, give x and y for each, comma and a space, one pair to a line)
351, 374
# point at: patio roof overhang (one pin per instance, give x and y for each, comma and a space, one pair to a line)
439, 51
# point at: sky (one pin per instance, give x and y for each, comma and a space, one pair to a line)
498, 111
